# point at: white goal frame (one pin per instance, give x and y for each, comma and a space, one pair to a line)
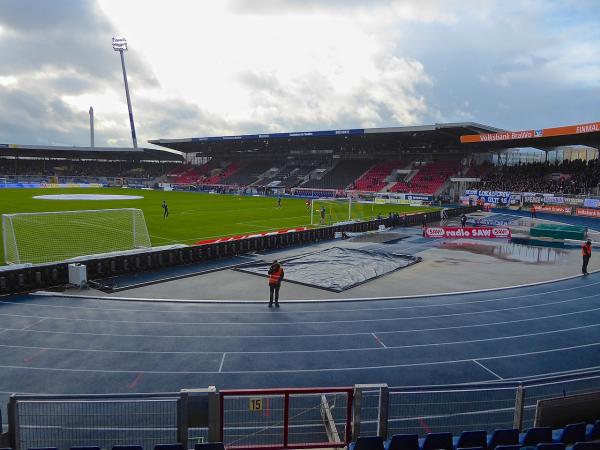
329, 199
139, 237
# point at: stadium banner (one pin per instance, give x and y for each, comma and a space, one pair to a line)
593, 127
468, 232
49, 185
403, 199
554, 209
248, 236
495, 197
591, 203
253, 137
419, 198
587, 212
574, 201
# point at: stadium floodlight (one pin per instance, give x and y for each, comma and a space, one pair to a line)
120, 45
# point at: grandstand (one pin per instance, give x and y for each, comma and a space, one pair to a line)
452, 366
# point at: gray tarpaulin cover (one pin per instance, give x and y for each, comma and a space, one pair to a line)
337, 269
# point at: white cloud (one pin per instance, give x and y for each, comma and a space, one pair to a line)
234, 66
321, 68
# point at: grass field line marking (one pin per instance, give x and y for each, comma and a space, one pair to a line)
488, 370
222, 362
323, 369
200, 238
311, 322
350, 349
319, 311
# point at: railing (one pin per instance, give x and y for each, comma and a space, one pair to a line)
481, 406
296, 418
286, 418
100, 420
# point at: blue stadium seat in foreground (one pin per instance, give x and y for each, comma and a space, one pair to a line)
437, 441
471, 439
536, 435
593, 432
503, 437
403, 442
43, 448
471, 448
210, 446
168, 447
551, 446
127, 447
506, 447
85, 448
367, 443
587, 446
574, 432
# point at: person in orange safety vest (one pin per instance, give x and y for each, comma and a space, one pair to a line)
586, 253
275, 278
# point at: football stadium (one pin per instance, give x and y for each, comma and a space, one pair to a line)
402, 287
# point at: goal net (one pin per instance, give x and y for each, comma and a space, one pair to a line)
329, 211
56, 236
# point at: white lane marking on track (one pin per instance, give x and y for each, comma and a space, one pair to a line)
222, 362
320, 311
488, 370
299, 370
312, 322
33, 324
456, 327
354, 349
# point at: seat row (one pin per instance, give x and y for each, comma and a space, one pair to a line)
504, 439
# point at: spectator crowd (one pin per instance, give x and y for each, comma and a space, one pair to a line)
568, 177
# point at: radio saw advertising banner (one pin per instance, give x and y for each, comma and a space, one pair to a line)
468, 232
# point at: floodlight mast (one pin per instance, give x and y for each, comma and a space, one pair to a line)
120, 45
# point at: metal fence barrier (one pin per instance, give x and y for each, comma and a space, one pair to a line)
286, 418
297, 418
102, 420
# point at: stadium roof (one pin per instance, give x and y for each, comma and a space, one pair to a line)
442, 135
544, 138
111, 153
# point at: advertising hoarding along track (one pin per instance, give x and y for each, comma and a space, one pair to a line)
468, 232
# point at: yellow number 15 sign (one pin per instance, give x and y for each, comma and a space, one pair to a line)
256, 404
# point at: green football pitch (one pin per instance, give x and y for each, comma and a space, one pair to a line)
194, 216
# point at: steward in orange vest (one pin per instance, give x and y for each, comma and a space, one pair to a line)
586, 253
275, 278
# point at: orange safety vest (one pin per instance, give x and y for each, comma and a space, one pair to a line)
585, 250
275, 277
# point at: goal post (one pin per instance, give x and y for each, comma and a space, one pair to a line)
327, 211
55, 236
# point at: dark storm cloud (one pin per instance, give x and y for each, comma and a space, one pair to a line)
61, 34
26, 117
55, 48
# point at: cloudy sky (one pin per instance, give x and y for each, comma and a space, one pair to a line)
200, 68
